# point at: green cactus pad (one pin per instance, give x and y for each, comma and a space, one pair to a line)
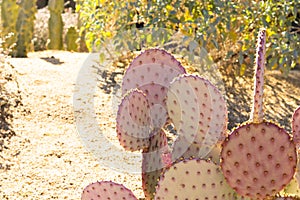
107, 190
292, 189
133, 121
258, 160
152, 71
296, 126
198, 111
153, 163
193, 179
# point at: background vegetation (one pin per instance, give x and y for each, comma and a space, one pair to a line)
225, 29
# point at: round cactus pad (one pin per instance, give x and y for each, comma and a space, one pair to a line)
193, 179
198, 111
133, 121
107, 190
258, 160
152, 72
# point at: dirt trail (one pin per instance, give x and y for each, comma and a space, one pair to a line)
47, 158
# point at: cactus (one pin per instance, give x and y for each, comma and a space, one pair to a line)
71, 38
198, 112
152, 71
153, 162
193, 179
133, 121
55, 7
296, 126
25, 27
107, 190
258, 158
9, 15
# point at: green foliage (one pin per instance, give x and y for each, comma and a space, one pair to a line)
226, 29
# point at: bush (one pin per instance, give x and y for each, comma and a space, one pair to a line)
226, 29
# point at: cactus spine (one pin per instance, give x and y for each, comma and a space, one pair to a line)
55, 24
25, 27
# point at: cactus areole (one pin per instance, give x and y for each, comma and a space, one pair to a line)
258, 158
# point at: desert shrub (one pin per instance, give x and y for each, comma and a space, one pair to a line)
226, 29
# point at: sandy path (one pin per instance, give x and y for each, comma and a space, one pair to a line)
50, 160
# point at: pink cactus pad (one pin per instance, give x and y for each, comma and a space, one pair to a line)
133, 121
182, 149
296, 126
198, 111
152, 71
153, 162
258, 160
257, 114
193, 179
107, 190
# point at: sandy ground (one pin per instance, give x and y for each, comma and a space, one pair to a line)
50, 158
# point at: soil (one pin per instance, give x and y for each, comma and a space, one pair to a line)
49, 153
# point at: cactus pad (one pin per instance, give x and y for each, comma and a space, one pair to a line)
153, 163
183, 149
193, 179
198, 111
107, 190
296, 126
258, 160
152, 71
133, 121
257, 113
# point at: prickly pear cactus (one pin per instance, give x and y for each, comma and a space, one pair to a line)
55, 24
258, 158
25, 27
107, 190
193, 179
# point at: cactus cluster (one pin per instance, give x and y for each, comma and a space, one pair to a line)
257, 160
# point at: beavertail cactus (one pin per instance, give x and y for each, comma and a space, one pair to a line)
107, 190
258, 158
193, 179
198, 112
